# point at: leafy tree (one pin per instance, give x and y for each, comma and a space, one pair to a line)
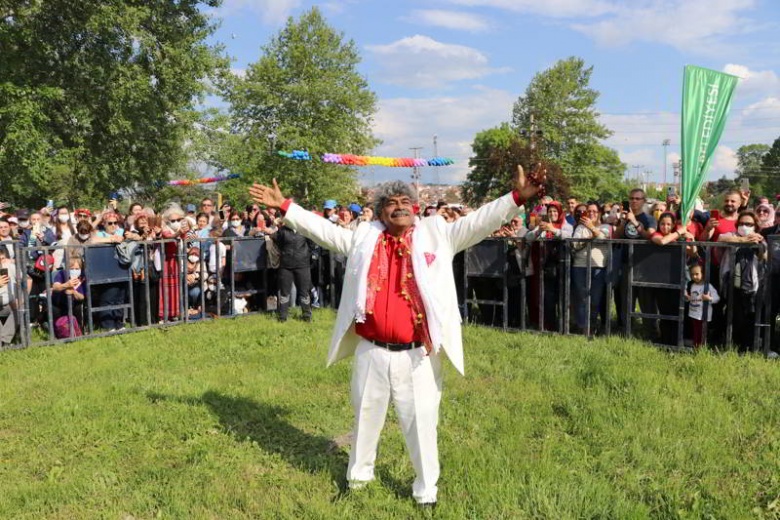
749, 165
304, 93
770, 166
560, 105
497, 152
98, 95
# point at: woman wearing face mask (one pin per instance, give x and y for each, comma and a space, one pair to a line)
235, 225
63, 227
63, 230
174, 230
69, 284
742, 272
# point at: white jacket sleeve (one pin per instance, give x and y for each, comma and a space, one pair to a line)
321, 230
478, 225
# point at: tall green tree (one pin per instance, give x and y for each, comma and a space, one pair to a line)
98, 95
749, 165
558, 109
770, 167
497, 152
304, 93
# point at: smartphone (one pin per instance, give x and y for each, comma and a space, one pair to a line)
744, 184
670, 193
545, 218
625, 205
3, 272
715, 214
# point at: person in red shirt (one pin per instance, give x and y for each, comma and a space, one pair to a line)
726, 221
398, 312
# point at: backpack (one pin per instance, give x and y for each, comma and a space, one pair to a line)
62, 329
747, 270
130, 254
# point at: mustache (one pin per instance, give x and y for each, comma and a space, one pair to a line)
400, 213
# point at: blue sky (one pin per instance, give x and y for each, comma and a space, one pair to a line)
451, 68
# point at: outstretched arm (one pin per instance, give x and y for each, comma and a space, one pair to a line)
472, 229
318, 229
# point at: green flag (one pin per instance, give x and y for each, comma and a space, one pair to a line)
706, 102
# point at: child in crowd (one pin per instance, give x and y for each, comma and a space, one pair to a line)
696, 294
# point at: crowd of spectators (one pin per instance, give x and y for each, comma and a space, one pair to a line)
192, 246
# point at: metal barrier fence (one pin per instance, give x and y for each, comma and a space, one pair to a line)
514, 284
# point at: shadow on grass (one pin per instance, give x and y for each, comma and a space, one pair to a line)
249, 420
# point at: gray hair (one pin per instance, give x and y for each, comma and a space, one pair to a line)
173, 209
390, 189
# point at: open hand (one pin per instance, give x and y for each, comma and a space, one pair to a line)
529, 186
271, 196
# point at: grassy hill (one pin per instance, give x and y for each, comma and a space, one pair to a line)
240, 419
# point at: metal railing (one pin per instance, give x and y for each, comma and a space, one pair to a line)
509, 283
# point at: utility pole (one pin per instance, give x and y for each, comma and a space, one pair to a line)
638, 168
665, 144
677, 169
416, 170
436, 154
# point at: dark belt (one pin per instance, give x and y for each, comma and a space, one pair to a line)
396, 347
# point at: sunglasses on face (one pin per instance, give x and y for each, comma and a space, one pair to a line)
173, 220
763, 211
112, 223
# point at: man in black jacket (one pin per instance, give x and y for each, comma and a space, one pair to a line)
294, 264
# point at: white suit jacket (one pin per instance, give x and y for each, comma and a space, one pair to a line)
434, 244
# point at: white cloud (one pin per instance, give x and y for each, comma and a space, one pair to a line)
449, 20
753, 82
552, 8
688, 25
641, 129
724, 159
406, 122
421, 61
272, 12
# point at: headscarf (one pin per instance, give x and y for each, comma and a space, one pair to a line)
769, 220
558, 224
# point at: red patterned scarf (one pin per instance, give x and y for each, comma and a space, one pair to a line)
378, 274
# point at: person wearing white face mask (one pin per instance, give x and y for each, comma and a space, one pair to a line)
742, 272
71, 284
235, 225
174, 229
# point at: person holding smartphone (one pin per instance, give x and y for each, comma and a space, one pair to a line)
7, 296
635, 224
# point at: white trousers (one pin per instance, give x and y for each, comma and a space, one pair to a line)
413, 380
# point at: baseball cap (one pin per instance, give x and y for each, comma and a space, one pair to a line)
190, 208
355, 207
329, 204
83, 211
23, 214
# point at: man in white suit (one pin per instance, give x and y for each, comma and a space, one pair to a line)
398, 312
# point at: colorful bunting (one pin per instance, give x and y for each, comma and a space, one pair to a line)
205, 180
368, 160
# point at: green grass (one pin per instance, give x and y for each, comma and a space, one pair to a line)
236, 419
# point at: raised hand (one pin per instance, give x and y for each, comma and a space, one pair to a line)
271, 196
531, 185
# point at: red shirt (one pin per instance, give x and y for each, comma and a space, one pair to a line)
724, 226
392, 320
